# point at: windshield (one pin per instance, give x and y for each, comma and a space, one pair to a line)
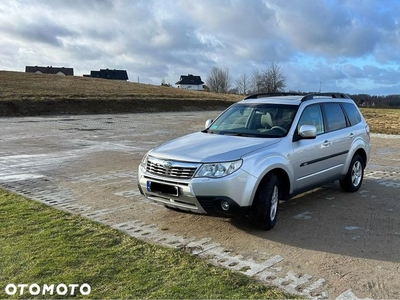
259, 120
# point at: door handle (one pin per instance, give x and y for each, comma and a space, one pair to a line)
326, 143
351, 136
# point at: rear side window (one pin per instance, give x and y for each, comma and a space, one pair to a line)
352, 113
335, 118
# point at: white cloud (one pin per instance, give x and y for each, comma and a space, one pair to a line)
337, 42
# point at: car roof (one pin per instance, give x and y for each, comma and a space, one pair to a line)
292, 98
296, 100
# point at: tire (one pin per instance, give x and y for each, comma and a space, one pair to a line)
264, 211
354, 176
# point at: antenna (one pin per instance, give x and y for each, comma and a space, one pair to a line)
320, 83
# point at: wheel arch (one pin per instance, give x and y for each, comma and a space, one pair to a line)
284, 182
361, 152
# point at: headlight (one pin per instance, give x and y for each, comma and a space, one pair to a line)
143, 163
217, 170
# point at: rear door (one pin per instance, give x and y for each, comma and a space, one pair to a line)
339, 134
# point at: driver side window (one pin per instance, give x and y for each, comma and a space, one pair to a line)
312, 115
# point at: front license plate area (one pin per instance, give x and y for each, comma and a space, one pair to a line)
161, 188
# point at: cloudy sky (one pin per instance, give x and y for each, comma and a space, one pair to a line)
350, 46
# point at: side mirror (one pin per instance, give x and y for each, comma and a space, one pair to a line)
208, 123
308, 132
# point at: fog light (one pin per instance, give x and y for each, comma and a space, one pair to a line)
225, 205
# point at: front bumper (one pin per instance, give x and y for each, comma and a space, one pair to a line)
200, 195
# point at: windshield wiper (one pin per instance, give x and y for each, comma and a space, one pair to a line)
208, 131
234, 133
243, 134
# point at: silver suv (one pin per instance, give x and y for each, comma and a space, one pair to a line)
265, 148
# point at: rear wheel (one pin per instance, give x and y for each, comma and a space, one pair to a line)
355, 175
264, 210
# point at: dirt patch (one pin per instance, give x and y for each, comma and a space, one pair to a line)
10, 108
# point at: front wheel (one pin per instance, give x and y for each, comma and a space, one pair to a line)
354, 176
264, 210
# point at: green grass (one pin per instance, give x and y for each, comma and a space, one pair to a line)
46, 246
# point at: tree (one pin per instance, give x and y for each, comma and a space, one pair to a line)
257, 81
271, 80
243, 84
275, 80
163, 83
219, 80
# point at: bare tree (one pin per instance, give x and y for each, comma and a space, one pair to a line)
257, 81
275, 80
269, 81
243, 84
219, 80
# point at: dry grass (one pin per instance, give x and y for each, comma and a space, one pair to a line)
382, 120
29, 86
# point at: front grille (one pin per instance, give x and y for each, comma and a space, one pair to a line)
177, 170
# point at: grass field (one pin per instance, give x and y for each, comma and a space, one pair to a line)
36, 87
382, 120
28, 94
44, 246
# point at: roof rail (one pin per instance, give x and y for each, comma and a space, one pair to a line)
332, 95
259, 95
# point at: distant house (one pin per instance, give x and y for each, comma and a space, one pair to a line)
109, 74
366, 103
50, 70
190, 82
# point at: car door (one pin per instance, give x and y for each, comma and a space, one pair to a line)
310, 158
339, 135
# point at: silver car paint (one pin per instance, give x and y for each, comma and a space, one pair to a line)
208, 148
260, 155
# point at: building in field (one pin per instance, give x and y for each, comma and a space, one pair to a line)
190, 82
50, 70
109, 74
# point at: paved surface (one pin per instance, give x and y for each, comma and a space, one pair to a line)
327, 244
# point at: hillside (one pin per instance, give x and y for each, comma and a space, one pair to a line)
35, 94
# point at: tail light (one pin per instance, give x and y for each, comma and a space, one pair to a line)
367, 130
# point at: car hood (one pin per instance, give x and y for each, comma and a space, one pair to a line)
205, 147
